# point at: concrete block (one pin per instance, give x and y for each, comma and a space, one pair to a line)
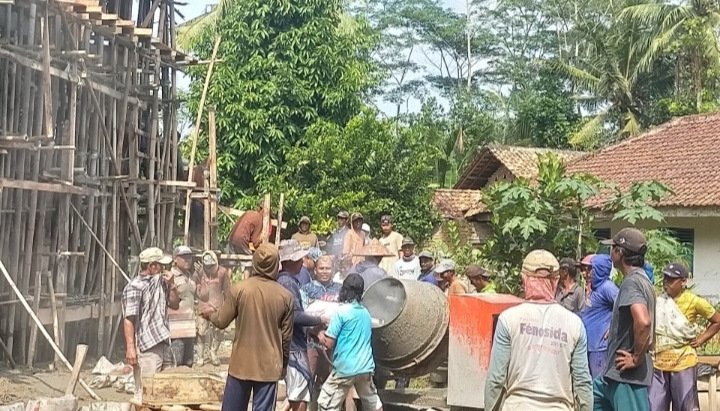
110, 406
65, 403
13, 407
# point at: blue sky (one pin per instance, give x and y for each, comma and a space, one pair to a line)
195, 8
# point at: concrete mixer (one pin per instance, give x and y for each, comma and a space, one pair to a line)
416, 328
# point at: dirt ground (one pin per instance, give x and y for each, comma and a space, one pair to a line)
22, 385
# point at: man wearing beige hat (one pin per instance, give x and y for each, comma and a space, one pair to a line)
539, 354
354, 239
145, 303
304, 236
183, 330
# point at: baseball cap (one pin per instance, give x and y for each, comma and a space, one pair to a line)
587, 260
209, 258
570, 265
407, 241
475, 270
386, 219
366, 227
354, 282
304, 219
676, 270
540, 260
290, 250
425, 254
445, 265
356, 216
343, 214
154, 255
181, 251
630, 239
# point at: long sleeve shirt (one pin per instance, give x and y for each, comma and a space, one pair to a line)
263, 314
301, 319
247, 230
538, 361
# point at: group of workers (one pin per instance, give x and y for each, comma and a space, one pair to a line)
607, 348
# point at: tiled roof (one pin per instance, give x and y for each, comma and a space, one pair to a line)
520, 161
453, 204
683, 153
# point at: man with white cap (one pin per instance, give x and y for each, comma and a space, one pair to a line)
446, 270
182, 320
145, 303
366, 230
212, 283
298, 378
538, 360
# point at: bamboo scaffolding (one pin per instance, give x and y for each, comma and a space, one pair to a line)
88, 163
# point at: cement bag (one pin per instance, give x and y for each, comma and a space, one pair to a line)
320, 308
672, 328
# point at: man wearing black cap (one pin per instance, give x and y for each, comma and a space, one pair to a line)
569, 293
623, 385
349, 335
675, 379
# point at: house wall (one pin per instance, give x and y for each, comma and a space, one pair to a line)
706, 250
471, 232
502, 174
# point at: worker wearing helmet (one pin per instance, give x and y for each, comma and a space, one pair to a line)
539, 351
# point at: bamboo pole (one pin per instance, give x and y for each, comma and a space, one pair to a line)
194, 136
279, 218
33, 330
42, 329
212, 168
266, 221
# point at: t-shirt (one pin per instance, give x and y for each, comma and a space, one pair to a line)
635, 289
393, 242
574, 300
457, 287
407, 269
306, 240
679, 359
351, 327
539, 357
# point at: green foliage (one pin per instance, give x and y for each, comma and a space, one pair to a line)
554, 213
367, 166
286, 65
463, 253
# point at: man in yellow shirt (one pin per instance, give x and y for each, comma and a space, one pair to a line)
675, 378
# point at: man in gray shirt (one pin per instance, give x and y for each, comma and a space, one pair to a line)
569, 293
623, 386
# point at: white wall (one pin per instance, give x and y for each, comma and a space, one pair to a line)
706, 264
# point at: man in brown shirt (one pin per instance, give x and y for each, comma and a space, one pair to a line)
446, 270
263, 313
212, 282
354, 239
304, 236
248, 229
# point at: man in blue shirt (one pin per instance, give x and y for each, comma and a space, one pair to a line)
298, 379
349, 334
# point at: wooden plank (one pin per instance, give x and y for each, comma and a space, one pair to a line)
80, 353
48, 187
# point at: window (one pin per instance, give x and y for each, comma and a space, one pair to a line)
602, 234
685, 236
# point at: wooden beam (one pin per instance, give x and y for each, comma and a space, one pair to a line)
47, 187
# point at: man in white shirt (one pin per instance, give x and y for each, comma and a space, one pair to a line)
407, 267
538, 360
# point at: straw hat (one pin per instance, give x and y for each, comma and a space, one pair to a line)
374, 249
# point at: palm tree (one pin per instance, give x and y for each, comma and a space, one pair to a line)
695, 21
613, 82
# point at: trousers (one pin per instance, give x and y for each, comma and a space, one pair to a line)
237, 395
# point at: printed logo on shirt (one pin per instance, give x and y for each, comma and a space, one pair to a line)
554, 333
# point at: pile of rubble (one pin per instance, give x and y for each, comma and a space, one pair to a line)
65, 403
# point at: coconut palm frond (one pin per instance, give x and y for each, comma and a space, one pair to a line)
658, 44
189, 32
632, 125
589, 135
579, 76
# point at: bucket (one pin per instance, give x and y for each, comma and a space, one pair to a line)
410, 326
